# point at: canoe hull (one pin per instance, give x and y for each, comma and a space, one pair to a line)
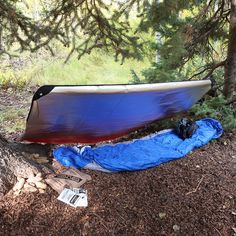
91, 114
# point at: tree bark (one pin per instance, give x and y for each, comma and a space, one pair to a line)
230, 65
13, 163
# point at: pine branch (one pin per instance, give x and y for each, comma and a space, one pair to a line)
210, 70
80, 24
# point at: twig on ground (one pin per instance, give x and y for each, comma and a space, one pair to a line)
102, 221
195, 190
216, 230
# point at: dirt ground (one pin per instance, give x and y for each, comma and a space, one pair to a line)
195, 195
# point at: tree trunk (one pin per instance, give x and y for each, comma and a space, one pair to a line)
230, 65
13, 163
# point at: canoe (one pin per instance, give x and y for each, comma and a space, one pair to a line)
91, 114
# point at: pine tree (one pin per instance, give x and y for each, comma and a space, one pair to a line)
193, 33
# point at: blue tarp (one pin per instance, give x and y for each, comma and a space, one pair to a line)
139, 154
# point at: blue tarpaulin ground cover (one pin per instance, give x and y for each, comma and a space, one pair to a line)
139, 154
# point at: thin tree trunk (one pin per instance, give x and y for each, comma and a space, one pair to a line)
230, 65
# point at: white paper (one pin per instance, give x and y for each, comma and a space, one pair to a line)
76, 197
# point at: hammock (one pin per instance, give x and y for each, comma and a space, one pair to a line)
91, 114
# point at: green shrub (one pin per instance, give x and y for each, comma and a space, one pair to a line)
215, 107
10, 78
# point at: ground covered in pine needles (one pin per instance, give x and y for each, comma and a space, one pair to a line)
195, 195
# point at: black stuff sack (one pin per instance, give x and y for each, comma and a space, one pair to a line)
185, 128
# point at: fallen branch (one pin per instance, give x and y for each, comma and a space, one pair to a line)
195, 190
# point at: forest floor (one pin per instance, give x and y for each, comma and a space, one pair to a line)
195, 195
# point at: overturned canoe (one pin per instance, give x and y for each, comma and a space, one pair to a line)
91, 114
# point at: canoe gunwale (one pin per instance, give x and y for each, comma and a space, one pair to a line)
118, 88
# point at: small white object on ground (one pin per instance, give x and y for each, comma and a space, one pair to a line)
35, 155
31, 184
19, 178
162, 215
176, 228
19, 185
76, 197
30, 188
41, 160
34, 179
39, 175
40, 185
41, 190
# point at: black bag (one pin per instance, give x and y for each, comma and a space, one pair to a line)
185, 128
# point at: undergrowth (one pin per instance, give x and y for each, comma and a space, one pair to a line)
12, 120
96, 68
11, 78
217, 108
